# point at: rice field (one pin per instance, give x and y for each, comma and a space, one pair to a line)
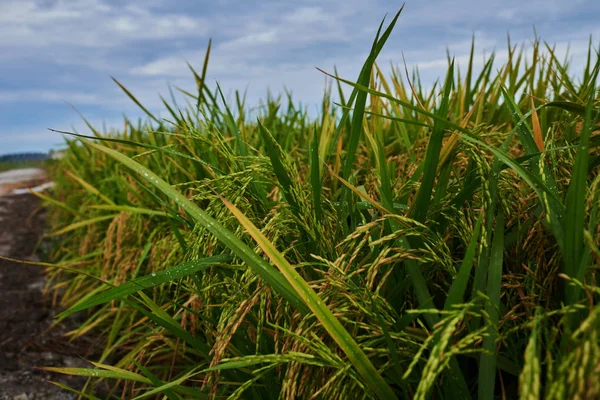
405, 243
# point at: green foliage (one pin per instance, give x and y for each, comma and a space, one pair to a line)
405, 243
8, 165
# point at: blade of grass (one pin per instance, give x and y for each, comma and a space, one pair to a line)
532, 180
575, 204
200, 80
136, 101
537, 129
575, 108
459, 284
157, 382
487, 367
405, 104
144, 145
162, 319
82, 224
56, 203
232, 126
148, 281
131, 209
421, 204
315, 178
553, 206
88, 187
173, 384
275, 153
113, 372
260, 266
335, 329
356, 124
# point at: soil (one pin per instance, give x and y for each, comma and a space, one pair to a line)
26, 340
20, 178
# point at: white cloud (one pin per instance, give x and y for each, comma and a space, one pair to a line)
480, 12
55, 50
34, 95
307, 15
89, 23
250, 51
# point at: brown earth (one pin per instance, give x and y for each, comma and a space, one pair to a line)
26, 340
21, 179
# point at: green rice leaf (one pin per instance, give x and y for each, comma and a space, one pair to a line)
460, 282
157, 382
335, 329
260, 266
421, 204
315, 178
575, 203
81, 224
487, 363
102, 371
148, 281
356, 125
136, 101
275, 153
131, 209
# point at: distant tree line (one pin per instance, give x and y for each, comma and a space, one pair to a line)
32, 156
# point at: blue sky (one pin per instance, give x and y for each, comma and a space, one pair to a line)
54, 51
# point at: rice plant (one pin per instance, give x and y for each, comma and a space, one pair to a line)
405, 243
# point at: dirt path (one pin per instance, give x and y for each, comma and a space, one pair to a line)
25, 314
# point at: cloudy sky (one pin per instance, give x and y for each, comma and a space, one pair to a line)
57, 51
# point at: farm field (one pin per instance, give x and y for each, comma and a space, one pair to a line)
28, 338
405, 243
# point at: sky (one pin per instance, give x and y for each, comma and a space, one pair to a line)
55, 52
